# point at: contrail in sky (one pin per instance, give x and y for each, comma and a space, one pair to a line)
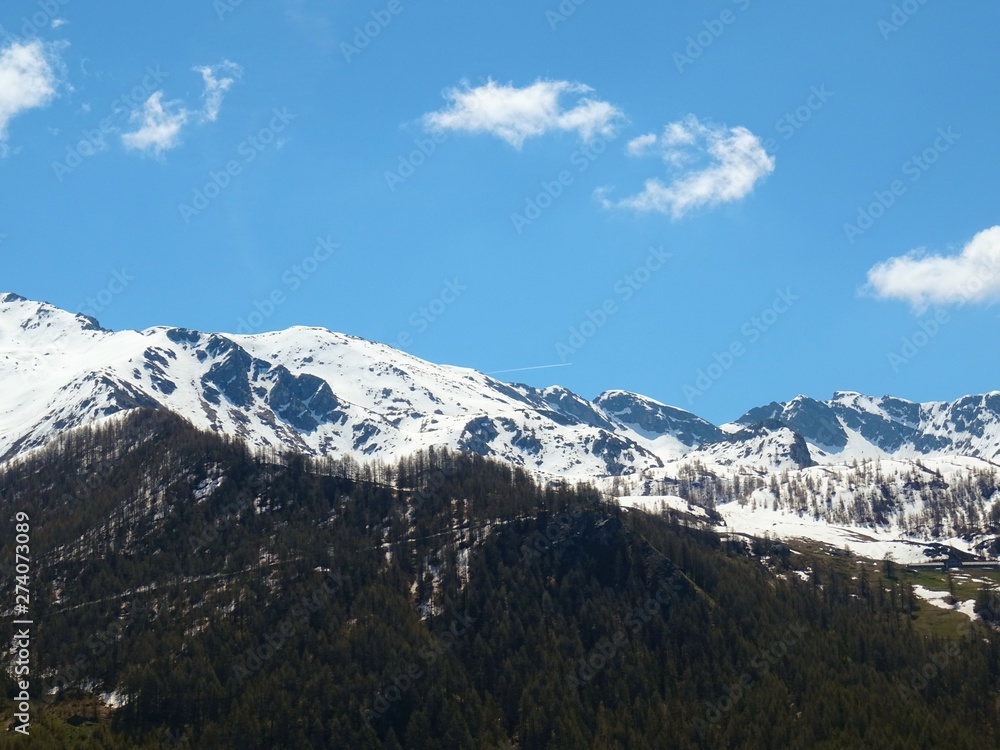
524, 369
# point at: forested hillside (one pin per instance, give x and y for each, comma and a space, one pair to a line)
225, 599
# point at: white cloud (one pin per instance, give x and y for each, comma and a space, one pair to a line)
216, 85
516, 114
28, 79
160, 126
57, 22
736, 162
971, 276
683, 132
642, 145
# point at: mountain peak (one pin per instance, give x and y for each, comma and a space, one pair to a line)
29, 315
614, 393
312, 390
652, 419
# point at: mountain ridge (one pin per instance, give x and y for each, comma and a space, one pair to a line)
313, 390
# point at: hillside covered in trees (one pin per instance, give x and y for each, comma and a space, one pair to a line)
192, 594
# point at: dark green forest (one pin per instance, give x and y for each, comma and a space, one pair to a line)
233, 599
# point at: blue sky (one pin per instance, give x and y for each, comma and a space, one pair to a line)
717, 206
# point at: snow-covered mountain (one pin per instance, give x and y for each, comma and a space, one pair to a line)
851, 425
325, 393
311, 390
320, 392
